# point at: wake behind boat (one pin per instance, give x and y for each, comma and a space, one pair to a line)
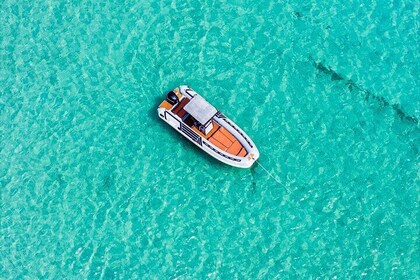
196, 119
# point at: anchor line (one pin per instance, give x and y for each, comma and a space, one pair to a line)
271, 175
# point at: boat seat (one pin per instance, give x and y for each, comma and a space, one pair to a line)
217, 144
219, 136
180, 106
234, 148
227, 134
182, 113
242, 152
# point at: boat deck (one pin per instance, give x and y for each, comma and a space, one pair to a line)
165, 104
224, 140
168, 106
218, 136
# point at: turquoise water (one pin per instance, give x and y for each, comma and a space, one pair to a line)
94, 185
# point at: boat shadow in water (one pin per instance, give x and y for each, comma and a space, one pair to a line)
380, 101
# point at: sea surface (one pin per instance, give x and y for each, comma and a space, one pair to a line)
93, 185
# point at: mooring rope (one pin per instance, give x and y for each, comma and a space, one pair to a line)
271, 175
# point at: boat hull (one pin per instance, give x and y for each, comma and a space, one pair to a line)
245, 160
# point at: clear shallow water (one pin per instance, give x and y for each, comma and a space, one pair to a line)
93, 185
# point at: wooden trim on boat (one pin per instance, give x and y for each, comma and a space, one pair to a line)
165, 104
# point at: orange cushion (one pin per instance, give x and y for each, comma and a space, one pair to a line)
242, 153
222, 138
217, 144
235, 148
180, 105
228, 134
165, 104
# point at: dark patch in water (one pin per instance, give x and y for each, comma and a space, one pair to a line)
108, 182
336, 77
254, 183
368, 96
60, 181
298, 14
254, 187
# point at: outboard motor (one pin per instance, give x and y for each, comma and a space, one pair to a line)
172, 98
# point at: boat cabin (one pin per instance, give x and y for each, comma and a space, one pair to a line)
202, 112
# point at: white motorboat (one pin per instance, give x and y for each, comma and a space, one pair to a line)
209, 129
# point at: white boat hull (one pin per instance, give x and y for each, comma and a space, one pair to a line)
203, 143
